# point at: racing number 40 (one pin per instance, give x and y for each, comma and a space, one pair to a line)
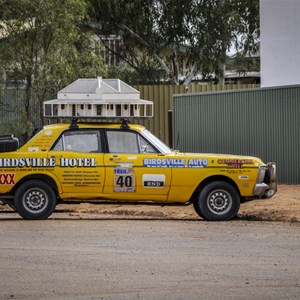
124, 181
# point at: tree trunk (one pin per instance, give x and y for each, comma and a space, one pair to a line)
175, 67
189, 78
28, 95
222, 73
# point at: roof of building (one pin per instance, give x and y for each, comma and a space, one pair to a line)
98, 89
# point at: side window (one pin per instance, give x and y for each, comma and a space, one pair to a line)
127, 142
146, 147
79, 141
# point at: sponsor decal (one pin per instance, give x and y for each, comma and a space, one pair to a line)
242, 172
197, 163
7, 179
81, 177
124, 180
33, 149
26, 162
175, 163
235, 163
125, 164
132, 157
164, 163
36, 162
43, 141
77, 162
154, 180
48, 132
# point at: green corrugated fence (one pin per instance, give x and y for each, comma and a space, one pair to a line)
259, 122
162, 97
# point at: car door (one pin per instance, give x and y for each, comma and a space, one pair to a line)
79, 163
128, 177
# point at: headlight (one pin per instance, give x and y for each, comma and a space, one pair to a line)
261, 174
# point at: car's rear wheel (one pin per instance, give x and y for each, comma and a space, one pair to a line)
217, 201
35, 200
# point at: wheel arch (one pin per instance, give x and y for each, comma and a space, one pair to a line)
42, 177
210, 179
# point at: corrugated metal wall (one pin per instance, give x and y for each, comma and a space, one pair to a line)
162, 97
259, 122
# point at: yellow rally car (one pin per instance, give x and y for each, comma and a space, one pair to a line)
124, 162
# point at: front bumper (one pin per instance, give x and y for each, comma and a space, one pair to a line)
266, 186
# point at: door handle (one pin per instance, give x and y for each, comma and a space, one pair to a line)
115, 158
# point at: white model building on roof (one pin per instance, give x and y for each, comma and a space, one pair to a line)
98, 98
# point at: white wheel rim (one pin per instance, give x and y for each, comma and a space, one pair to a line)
219, 202
35, 200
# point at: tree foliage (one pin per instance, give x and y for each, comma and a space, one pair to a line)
44, 42
165, 38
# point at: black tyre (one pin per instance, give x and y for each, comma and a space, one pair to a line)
218, 201
8, 144
35, 200
197, 210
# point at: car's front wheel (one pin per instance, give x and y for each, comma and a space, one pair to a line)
218, 201
35, 200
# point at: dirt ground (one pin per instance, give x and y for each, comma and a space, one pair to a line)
284, 206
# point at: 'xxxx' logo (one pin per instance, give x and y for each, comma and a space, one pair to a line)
7, 178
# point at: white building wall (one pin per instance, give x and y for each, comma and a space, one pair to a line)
280, 42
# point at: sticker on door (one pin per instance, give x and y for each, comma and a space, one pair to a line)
154, 180
124, 180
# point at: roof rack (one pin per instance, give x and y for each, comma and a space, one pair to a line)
97, 98
124, 123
